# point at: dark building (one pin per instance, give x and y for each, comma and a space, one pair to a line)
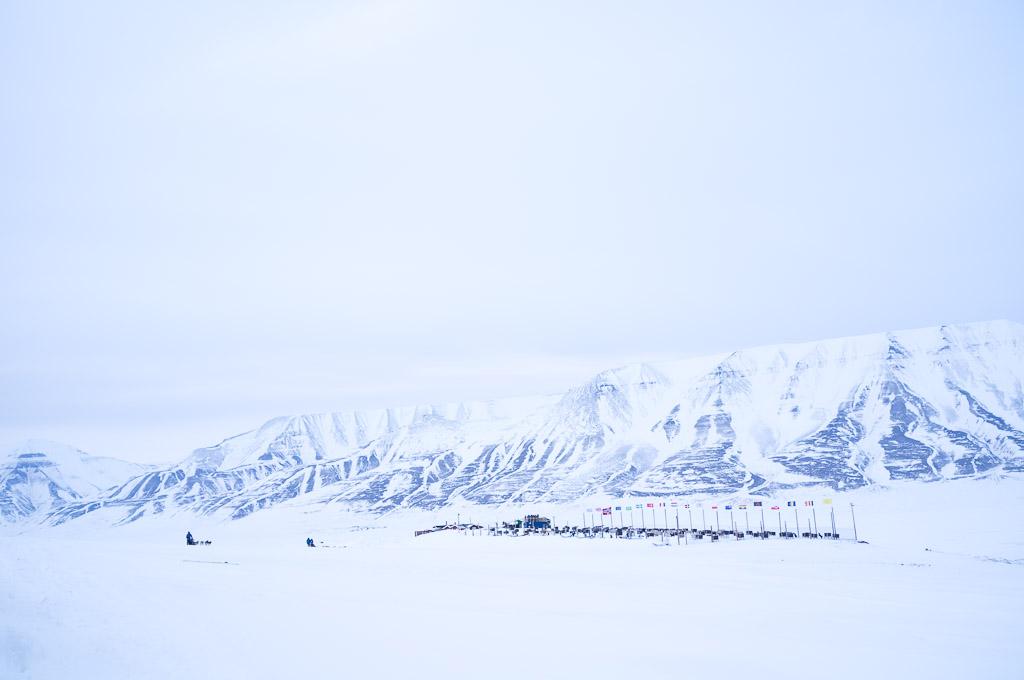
536, 522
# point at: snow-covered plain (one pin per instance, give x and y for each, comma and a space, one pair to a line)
938, 592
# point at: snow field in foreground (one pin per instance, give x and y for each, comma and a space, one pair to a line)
137, 603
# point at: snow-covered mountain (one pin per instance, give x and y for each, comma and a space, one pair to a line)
925, 405
40, 476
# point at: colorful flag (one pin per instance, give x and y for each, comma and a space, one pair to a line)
791, 504
687, 506
743, 507
650, 505
661, 505
808, 503
606, 511
618, 507
714, 507
675, 504
775, 507
827, 501
728, 507
758, 504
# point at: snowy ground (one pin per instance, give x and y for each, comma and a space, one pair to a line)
136, 603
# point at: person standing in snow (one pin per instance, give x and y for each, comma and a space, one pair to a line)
310, 543
188, 539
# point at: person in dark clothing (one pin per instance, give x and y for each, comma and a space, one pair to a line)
188, 539
310, 543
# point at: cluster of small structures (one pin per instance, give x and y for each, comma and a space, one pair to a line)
525, 528
535, 524
450, 527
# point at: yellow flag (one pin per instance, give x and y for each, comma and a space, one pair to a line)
827, 501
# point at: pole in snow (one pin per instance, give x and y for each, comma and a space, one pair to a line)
854, 523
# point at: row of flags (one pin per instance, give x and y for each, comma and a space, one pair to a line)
607, 510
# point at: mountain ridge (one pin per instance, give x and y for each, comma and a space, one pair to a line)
924, 404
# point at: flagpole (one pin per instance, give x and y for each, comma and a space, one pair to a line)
833, 512
718, 523
690, 513
814, 512
855, 538
677, 526
796, 515
703, 519
762, 519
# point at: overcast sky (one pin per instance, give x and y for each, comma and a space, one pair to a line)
216, 213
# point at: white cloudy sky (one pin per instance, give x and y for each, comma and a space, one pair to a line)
215, 213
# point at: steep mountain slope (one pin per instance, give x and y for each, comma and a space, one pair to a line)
923, 405
41, 477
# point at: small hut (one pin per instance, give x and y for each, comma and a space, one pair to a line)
536, 522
